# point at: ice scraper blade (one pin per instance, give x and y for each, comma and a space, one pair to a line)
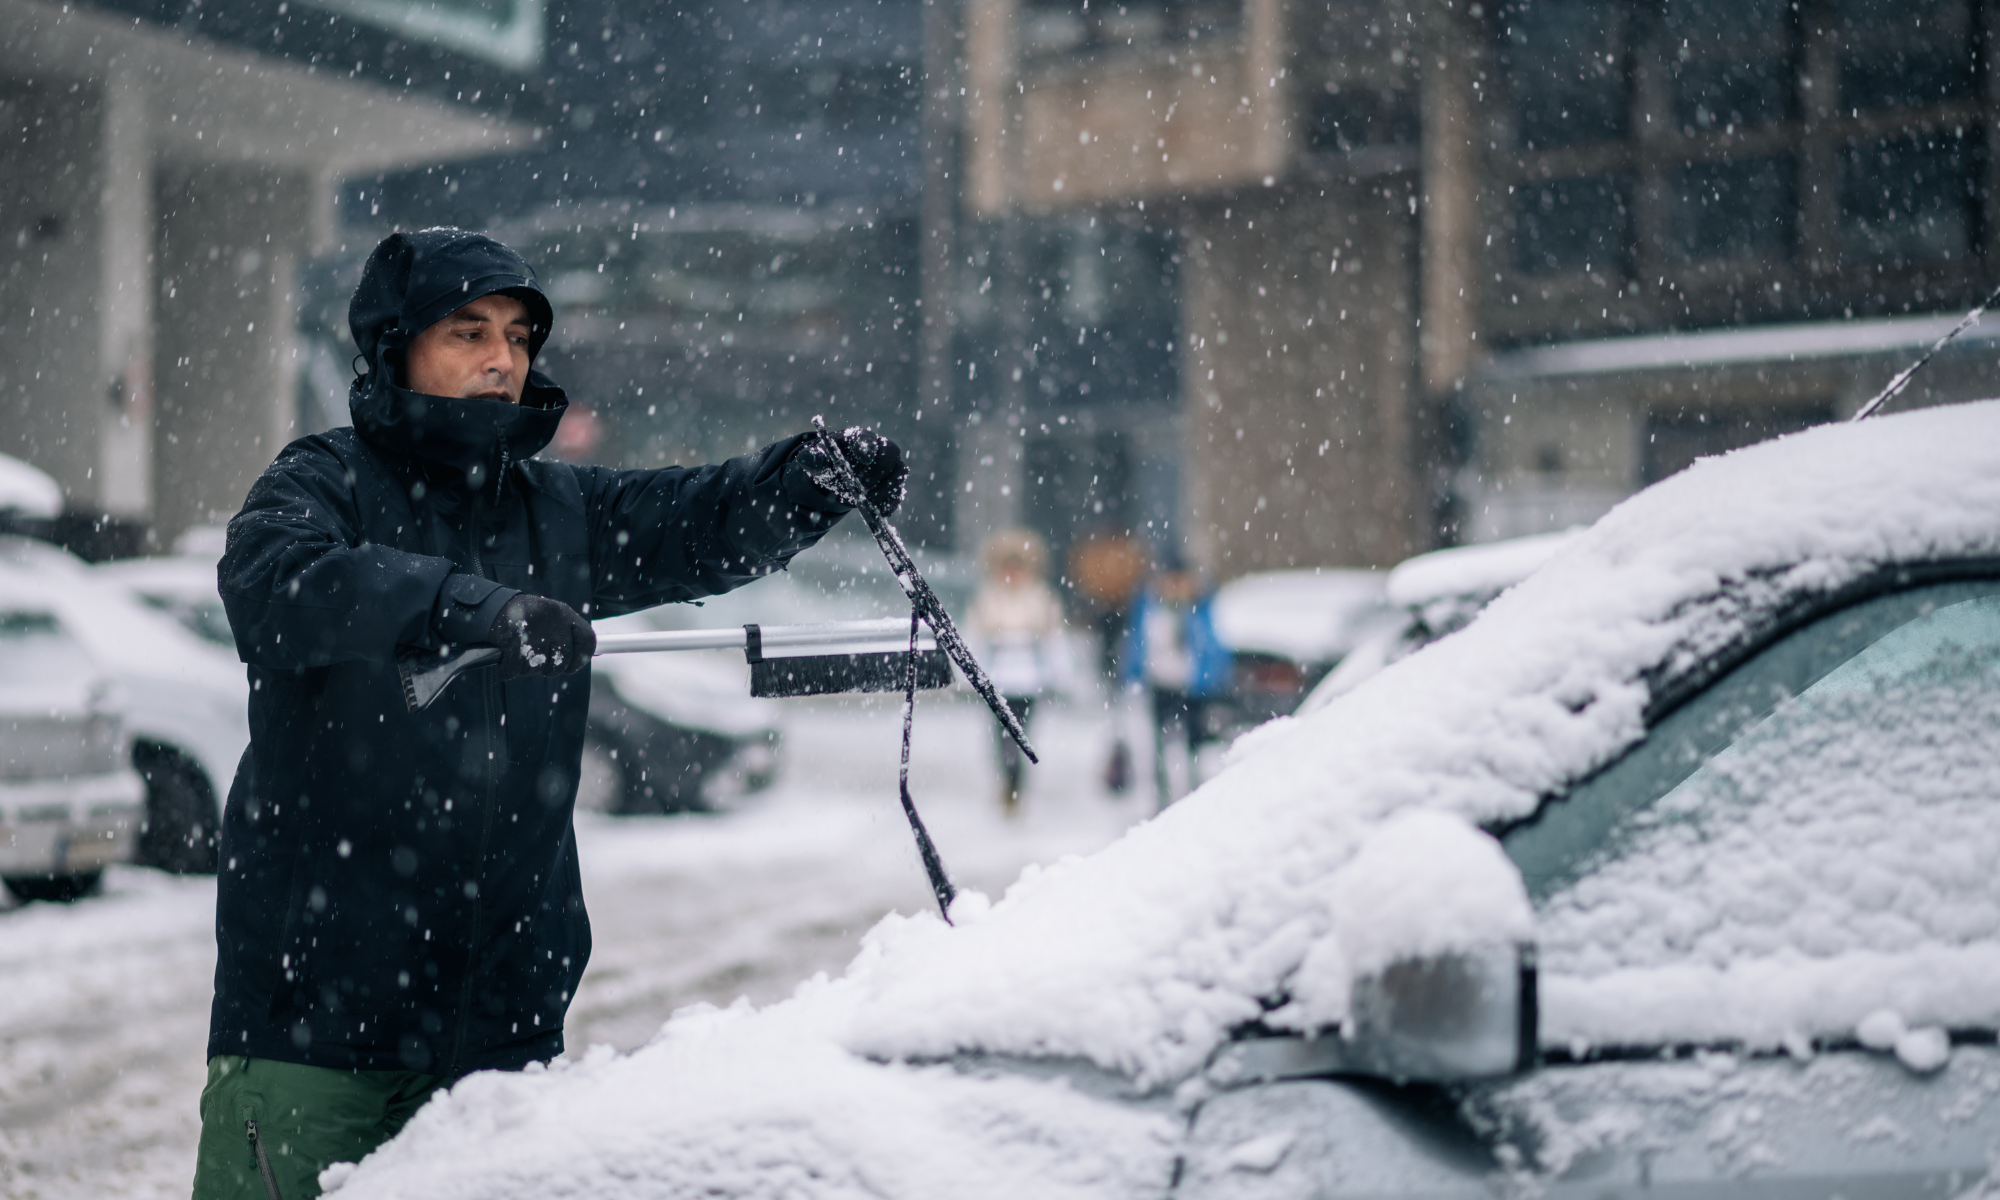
785, 660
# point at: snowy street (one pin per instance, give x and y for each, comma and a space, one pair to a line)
103, 1020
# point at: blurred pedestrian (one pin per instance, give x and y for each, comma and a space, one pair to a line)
1173, 653
1106, 569
1017, 622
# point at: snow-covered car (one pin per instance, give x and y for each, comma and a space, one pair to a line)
181, 586
70, 804
1436, 594
1671, 873
186, 698
1285, 630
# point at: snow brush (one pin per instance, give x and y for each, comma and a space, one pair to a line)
785, 660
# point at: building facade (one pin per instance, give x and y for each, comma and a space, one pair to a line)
166, 172
1459, 269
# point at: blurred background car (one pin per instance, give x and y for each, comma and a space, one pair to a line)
186, 698
1433, 595
70, 803
680, 732
1285, 631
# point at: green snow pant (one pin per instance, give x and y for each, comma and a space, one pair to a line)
269, 1128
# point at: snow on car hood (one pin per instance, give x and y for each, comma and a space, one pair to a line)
1334, 844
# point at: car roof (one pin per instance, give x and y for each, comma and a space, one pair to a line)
1480, 571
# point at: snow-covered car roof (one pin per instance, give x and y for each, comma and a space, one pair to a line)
1438, 593
1481, 570
1305, 615
1332, 845
27, 490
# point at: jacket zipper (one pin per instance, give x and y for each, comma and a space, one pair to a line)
263, 1161
488, 689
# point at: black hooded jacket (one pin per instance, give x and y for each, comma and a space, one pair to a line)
399, 890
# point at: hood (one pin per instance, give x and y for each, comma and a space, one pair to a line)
412, 281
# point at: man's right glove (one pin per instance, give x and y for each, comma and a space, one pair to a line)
540, 636
877, 462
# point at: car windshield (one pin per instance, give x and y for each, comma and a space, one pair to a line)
1833, 797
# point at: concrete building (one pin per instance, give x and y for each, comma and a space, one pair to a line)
1462, 269
160, 185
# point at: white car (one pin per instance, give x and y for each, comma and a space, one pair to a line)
186, 698
1672, 873
70, 804
1285, 630
1436, 594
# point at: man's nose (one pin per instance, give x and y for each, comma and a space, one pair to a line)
499, 358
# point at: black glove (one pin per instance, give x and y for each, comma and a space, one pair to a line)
877, 462
540, 636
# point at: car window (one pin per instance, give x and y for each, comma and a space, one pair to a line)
1836, 794
38, 651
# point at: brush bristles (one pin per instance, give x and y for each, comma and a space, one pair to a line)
833, 674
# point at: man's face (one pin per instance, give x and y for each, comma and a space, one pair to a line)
479, 351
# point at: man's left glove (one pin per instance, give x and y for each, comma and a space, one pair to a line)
540, 636
877, 462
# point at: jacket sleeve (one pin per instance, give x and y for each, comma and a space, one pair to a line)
303, 587
682, 533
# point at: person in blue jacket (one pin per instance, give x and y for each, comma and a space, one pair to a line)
398, 902
1172, 651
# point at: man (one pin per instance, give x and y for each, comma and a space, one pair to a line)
398, 902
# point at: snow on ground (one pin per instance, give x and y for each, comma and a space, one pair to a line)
104, 1017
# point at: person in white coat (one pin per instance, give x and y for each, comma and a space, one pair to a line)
1017, 623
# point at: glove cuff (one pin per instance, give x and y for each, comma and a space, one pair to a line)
467, 606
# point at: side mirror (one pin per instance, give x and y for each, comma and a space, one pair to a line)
1442, 1019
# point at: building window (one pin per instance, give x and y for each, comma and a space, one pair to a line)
1341, 120
1903, 53
1678, 163
1910, 198
1052, 28
1730, 62
1732, 207
1566, 69
1581, 224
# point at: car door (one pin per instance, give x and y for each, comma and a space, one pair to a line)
1769, 935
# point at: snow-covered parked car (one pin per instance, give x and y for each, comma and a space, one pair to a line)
1671, 873
1436, 594
186, 698
70, 804
1285, 630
